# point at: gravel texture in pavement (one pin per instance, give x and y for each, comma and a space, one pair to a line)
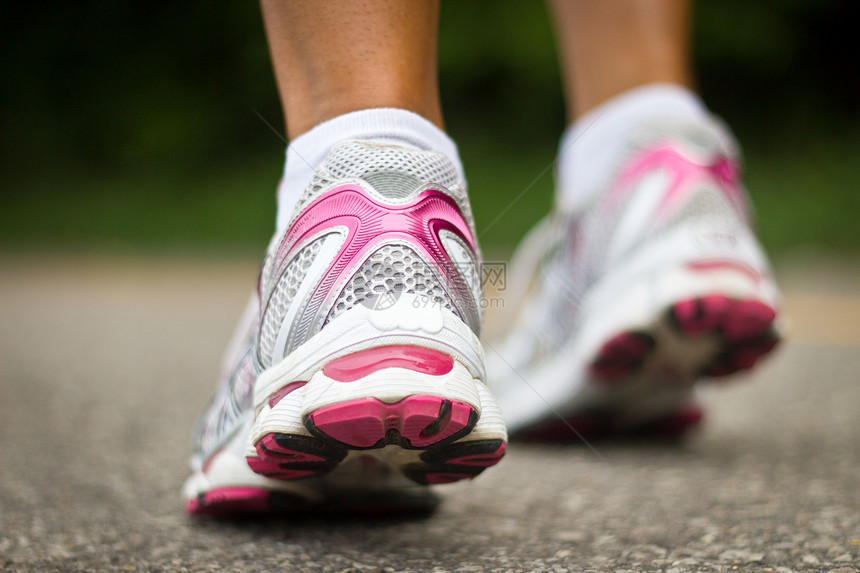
105, 365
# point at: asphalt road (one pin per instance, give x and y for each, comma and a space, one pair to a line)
105, 363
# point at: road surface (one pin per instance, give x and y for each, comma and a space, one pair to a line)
105, 363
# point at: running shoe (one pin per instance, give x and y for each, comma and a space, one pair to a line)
617, 309
356, 376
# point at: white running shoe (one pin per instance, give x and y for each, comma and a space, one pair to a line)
624, 304
356, 372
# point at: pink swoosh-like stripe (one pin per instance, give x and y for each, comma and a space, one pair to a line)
368, 223
684, 174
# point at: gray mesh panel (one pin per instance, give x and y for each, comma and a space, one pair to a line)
392, 268
282, 296
468, 270
379, 164
392, 184
704, 203
355, 160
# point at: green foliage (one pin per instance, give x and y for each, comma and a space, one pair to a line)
134, 123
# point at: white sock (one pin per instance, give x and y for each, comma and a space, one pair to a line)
590, 147
307, 152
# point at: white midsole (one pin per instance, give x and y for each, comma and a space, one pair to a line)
388, 385
227, 468
361, 328
411, 321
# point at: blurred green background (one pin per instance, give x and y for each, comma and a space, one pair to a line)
133, 126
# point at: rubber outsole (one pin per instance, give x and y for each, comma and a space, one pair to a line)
456, 461
740, 332
744, 330
429, 423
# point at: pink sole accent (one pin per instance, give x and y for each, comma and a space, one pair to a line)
702, 316
484, 460
357, 365
280, 394
678, 424
429, 423
230, 500
620, 355
724, 265
270, 446
745, 330
747, 320
440, 478
272, 469
737, 320
368, 422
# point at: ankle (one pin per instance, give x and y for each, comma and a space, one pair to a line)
388, 126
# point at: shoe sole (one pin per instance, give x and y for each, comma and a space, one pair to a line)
743, 331
226, 487
429, 424
740, 333
727, 335
382, 405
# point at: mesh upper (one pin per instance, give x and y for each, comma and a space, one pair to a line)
358, 159
392, 268
393, 175
469, 268
281, 298
378, 163
234, 398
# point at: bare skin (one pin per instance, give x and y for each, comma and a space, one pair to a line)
608, 47
339, 56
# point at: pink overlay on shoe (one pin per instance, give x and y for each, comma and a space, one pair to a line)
228, 500
725, 265
357, 365
484, 459
282, 393
421, 421
370, 223
621, 355
685, 174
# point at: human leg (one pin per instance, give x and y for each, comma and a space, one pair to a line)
608, 48
332, 58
